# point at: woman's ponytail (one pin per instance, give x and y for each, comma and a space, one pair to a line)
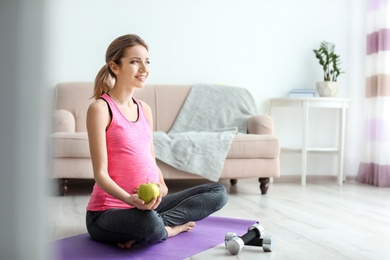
102, 82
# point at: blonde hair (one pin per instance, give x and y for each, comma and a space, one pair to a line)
115, 52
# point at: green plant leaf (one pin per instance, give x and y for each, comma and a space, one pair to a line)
329, 60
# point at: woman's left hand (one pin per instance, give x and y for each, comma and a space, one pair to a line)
140, 204
163, 189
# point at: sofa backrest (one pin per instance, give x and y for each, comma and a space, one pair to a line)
168, 101
164, 100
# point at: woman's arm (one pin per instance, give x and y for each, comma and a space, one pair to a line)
98, 119
148, 113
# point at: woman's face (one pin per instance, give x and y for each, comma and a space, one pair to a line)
134, 67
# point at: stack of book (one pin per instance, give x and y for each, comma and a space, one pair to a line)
304, 92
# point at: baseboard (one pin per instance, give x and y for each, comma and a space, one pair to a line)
309, 178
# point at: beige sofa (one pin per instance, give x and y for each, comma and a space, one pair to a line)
252, 155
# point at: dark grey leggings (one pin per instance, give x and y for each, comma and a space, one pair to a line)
148, 226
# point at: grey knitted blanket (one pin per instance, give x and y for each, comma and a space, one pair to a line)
203, 131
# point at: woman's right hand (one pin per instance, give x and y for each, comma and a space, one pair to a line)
135, 201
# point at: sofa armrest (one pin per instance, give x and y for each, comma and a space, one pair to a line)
260, 124
63, 121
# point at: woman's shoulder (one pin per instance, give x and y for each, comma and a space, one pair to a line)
144, 104
98, 115
146, 108
98, 106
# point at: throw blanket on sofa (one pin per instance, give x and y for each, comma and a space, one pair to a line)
203, 131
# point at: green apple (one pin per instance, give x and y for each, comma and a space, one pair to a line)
148, 191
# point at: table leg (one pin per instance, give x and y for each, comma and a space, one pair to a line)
342, 123
305, 118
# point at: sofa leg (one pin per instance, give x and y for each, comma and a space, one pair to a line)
233, 181
264, 183
63, 187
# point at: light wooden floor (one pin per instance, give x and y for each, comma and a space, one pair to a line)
319, 221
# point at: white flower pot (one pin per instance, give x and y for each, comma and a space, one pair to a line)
328, 88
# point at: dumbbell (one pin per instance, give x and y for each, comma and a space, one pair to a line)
254, 237
257, 227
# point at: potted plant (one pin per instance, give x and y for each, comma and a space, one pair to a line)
330, 63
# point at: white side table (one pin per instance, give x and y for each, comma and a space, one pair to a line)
341, 104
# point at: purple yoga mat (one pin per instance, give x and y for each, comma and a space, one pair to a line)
208, 233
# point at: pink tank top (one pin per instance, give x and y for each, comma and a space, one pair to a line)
130, 160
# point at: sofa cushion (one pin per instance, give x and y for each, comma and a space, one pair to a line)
254, 146
243, 146
70, 145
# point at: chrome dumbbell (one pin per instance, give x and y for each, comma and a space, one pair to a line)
254, 237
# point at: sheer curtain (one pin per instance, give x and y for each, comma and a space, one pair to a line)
374, 167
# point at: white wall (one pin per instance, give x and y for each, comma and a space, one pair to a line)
264, 46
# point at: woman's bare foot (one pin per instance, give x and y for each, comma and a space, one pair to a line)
127, 244
173, 231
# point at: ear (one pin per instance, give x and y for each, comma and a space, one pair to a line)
114, 67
